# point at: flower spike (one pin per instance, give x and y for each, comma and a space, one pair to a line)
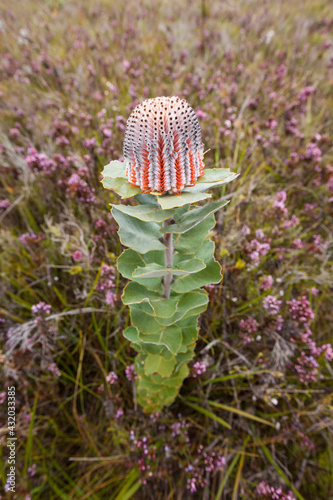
162, 148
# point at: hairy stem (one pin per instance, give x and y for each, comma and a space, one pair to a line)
168, 241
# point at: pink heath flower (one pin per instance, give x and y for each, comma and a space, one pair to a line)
279, 203
163, 151
120, 413
328, 351
54, 369
249, 325
199, 368
266, 283
77, 256
130, 372
110, 298
112, 378
298, 243
4, 204
300, 310
31, 470
41, 308
272, 305
260, 234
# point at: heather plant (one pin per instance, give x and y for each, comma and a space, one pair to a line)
171, 254
252, 419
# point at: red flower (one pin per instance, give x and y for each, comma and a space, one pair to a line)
162, 149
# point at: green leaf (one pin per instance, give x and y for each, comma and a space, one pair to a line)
181, 210
154, 391
188, 305
238, 478
190, 242
147, 199
208, 414
143, 319
185, 357
162, 308
134, 293
151, 271
212, 175
206, 251
192, 218
131, 333
210, 275
170, 337
201, 188
120, 186
231, 409
189, 328
136, 234
115, 169
188, 266
213, 178
157, 364
127, 485
172, 201
147, 213
114, 177
155, 314
130, 260
157, 271
158, 382
205, 254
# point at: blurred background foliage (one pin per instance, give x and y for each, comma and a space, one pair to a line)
254, 419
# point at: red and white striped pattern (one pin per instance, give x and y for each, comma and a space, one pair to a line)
162, 148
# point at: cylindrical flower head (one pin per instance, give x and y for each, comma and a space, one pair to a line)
162, 149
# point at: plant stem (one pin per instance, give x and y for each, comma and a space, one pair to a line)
168, 241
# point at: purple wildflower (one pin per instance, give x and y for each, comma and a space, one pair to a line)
272, 305
130, 372
40, 310
264, 489
112, 378
198, 369
300, 310
249, 325
54, 369
4, 204
77, 256
279, 204
266, 283
119, 414
31, 470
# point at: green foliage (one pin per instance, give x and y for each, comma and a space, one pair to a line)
165, 329
139, 235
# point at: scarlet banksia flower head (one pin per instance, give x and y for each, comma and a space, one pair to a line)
162, 149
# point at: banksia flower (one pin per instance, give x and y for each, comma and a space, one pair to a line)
162, 149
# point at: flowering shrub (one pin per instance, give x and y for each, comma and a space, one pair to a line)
164, 295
